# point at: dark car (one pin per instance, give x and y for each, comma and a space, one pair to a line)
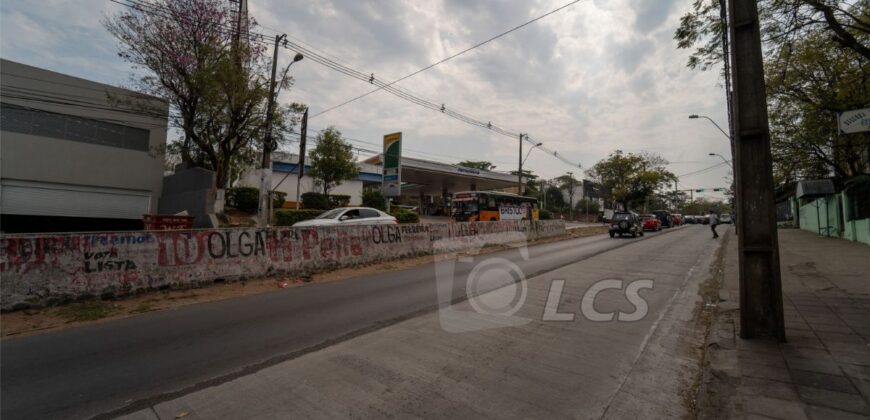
624, 223
664, 216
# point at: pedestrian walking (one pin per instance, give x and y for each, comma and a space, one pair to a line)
714, 220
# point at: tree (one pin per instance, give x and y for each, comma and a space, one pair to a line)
531, 187
554, 199
332, 160
216, 84
808, 85
817, 63
587, 206
782, 22
631, 178
477, 164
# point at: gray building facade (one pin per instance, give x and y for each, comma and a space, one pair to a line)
75, 154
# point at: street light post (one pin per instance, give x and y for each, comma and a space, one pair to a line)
264, 209
695, 116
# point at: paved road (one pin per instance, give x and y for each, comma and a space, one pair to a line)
136, 362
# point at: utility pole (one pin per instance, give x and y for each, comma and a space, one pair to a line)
761, 313
266, 172
520, 172
571, 196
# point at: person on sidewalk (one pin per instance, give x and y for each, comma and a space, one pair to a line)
714, 220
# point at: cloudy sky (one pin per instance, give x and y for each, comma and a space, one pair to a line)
598, 76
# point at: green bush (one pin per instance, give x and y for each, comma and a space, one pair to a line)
313, 200
406, 216
374, 198
243, 198
339, 200
544, 215
287, 217
278, 198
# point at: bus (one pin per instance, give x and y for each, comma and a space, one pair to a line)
487, 206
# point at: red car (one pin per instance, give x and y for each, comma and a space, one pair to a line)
678, 219
650, 222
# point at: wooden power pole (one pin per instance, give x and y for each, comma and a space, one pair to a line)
761, 314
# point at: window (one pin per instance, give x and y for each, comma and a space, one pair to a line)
17, 119
367, 213
351, 215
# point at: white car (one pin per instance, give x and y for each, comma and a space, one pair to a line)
345, 216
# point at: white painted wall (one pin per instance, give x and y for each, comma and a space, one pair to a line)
352, 188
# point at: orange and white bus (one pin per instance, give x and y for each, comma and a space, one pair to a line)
486, 206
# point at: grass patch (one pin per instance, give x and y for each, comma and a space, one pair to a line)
143, 307
86, 311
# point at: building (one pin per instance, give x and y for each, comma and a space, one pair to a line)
430, 185
76, 155
285, 173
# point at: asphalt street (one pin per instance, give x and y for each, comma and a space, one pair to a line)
119, 366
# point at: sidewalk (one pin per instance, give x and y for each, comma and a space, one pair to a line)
823, 370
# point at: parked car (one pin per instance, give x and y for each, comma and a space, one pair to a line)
725, 218
664, 216
650, 222
677, 219
625, 223
689, 219
705, 219
345, 216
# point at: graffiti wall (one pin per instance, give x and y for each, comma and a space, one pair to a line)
46, 268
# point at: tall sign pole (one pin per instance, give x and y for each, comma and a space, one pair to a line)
761, 314
266, 172
520, 171
392, 179
303, 137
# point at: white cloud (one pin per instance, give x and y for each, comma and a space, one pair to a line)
597, 76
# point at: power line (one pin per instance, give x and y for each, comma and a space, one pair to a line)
369, 78
446, 59
702, 170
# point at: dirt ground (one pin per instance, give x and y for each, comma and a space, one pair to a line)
32, 321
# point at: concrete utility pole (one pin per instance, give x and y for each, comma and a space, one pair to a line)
520, 172
266, 172
571, 196
761, 314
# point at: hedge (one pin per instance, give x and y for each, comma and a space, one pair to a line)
544, 215
374, 198
288, 217
246, 199
314, 200
406, 216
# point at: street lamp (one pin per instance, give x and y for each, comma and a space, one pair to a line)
530, 152
695, 116
721, 157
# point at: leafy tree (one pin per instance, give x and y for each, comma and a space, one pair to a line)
631, 178
782, 22
554, 199
216, 84
816, 65
531, 187
585, 204
477, 164
808, 85
332, 160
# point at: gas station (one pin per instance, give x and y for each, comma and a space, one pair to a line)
430, 185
